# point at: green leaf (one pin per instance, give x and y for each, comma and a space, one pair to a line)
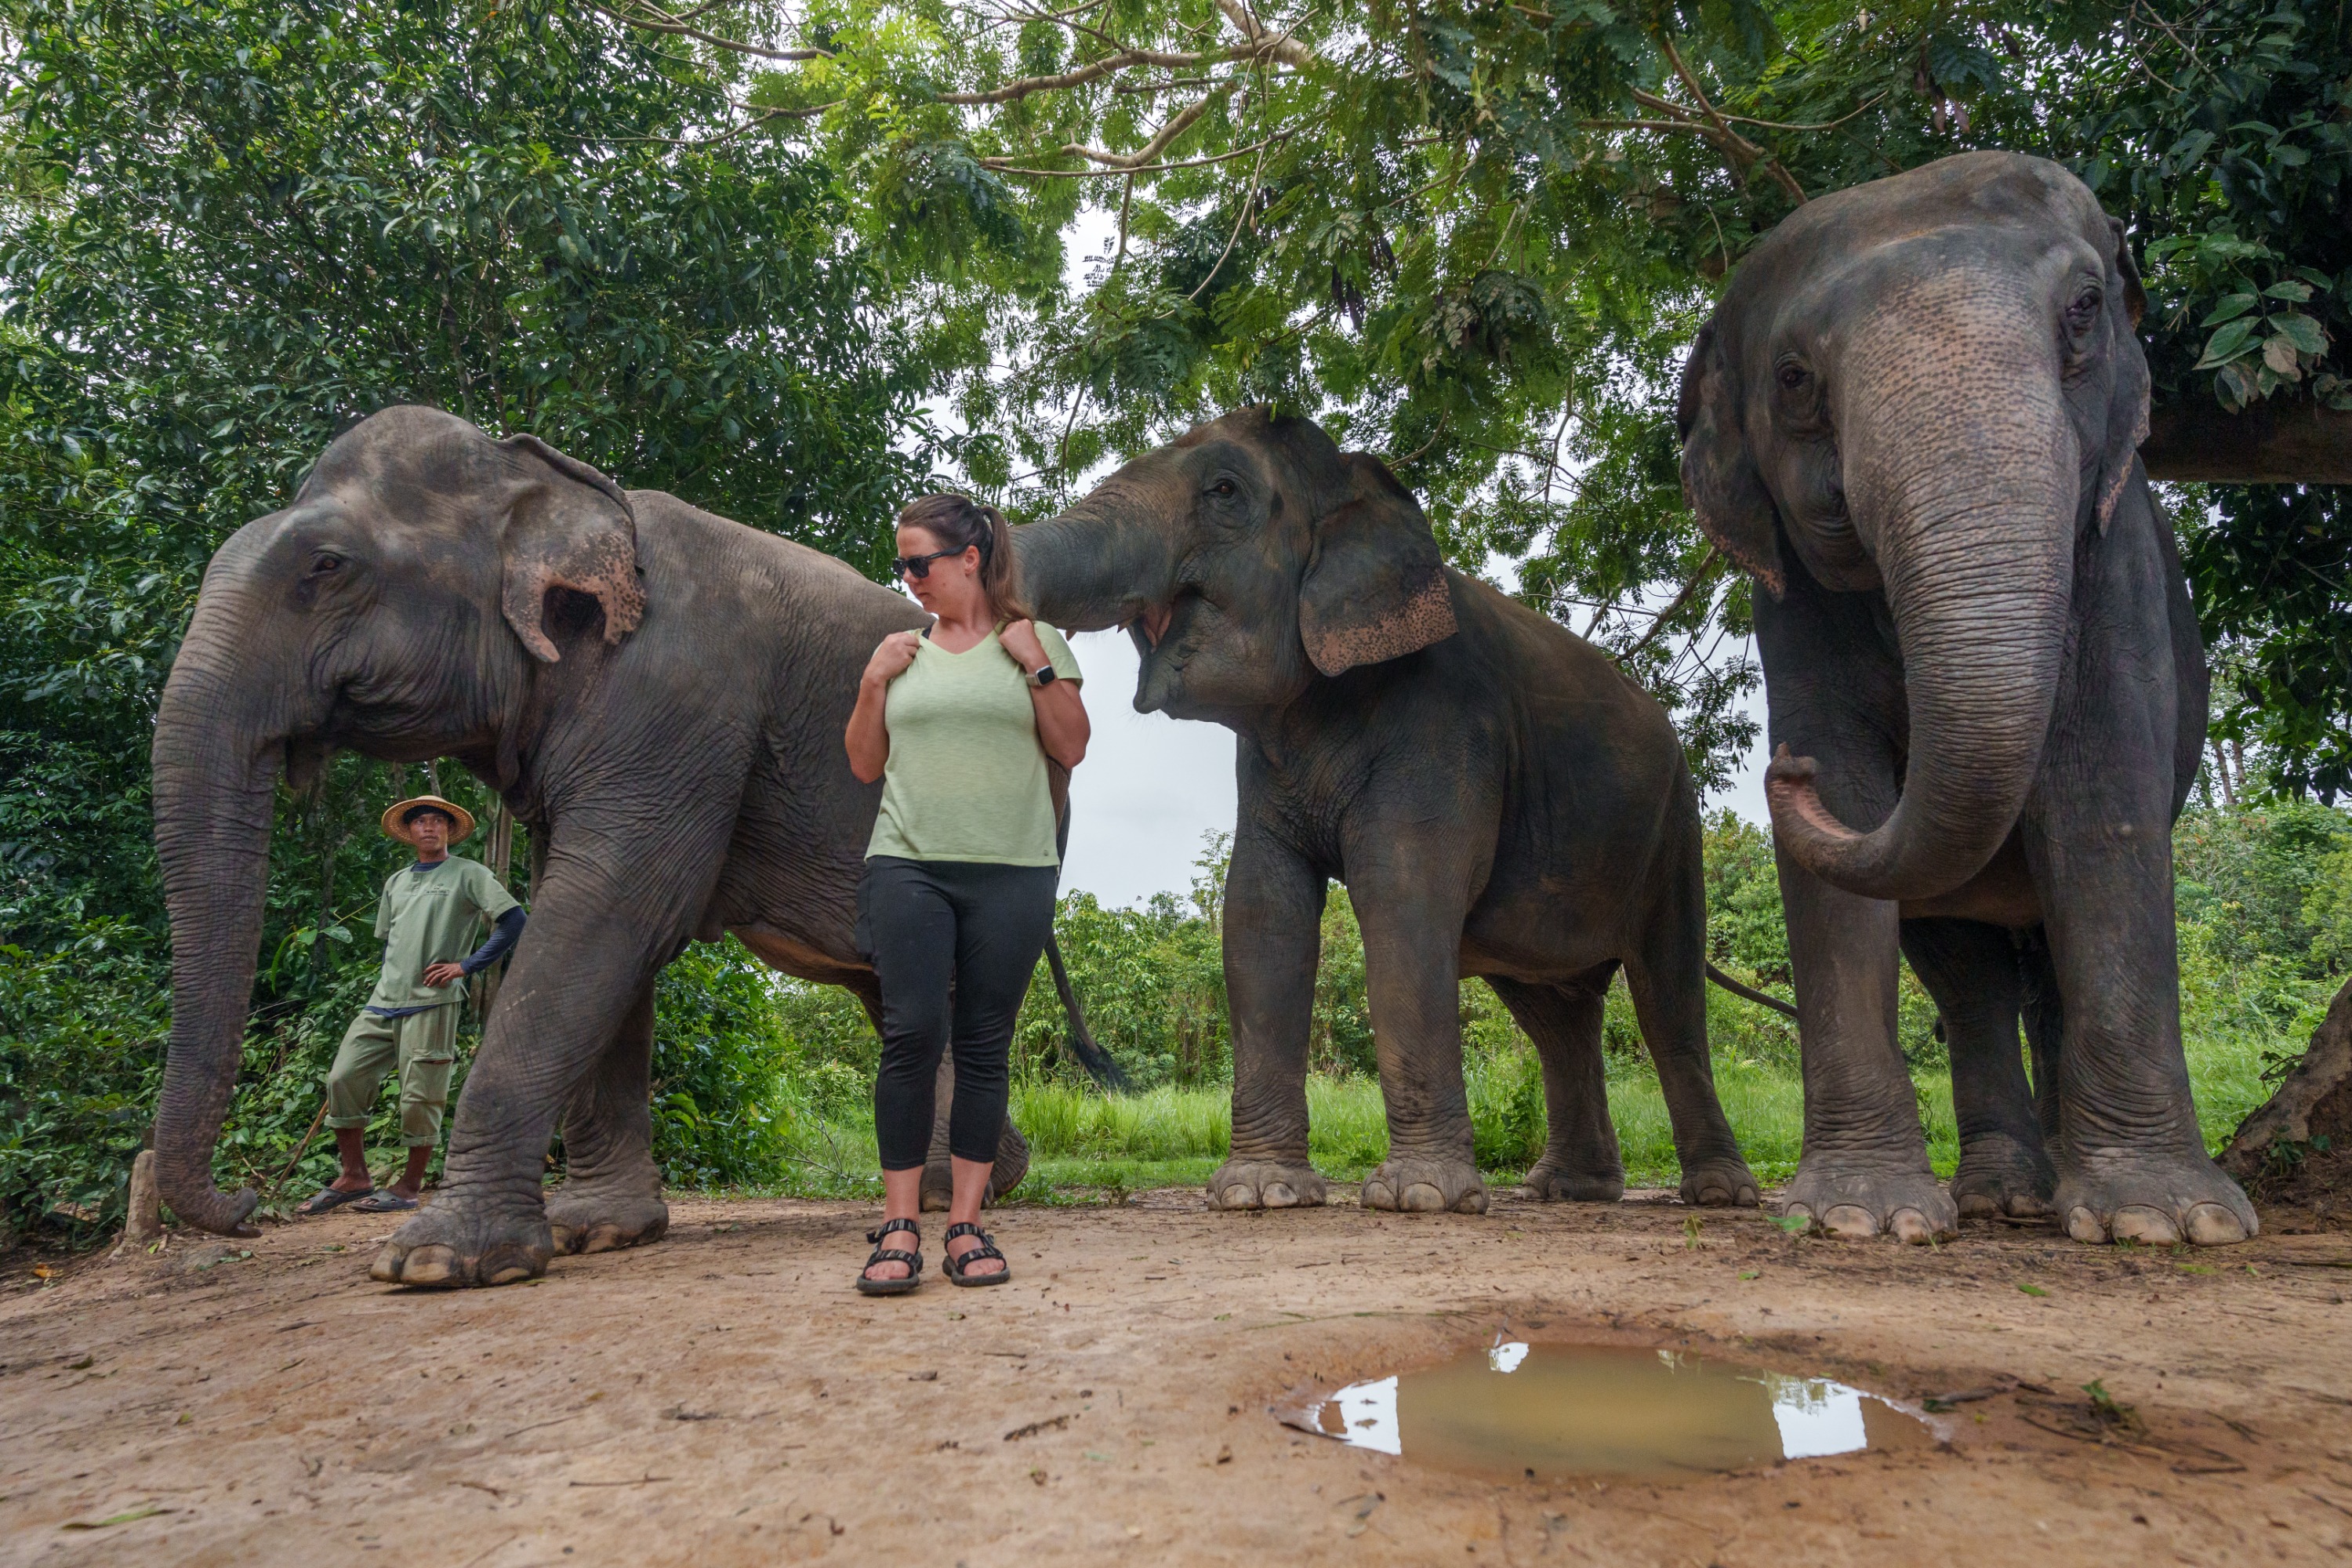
2306, 334
2228, 343
2231, 307
2032, 1290
2289, 289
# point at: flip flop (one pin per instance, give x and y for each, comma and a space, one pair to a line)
327, 1200
384, 1200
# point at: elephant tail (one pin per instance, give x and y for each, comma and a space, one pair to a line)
1728, 983
1098, 1062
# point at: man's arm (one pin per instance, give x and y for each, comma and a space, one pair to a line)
501, 939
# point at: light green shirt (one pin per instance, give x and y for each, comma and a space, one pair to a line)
430, 916
966, 777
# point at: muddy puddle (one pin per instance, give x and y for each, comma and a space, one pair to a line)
1514, 1410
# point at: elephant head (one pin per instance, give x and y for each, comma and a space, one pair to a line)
1927, 387
395, 608
1244, 559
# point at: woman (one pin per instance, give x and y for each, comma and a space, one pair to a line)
957, 722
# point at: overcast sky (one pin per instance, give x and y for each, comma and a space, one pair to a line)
1151, 786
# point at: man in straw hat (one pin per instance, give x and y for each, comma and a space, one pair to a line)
426, 918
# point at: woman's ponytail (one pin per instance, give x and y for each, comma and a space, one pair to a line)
959, 523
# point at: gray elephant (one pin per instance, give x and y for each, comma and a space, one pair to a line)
1497, 798
658, 692
1915, 419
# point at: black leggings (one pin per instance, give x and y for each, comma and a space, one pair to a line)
953, 943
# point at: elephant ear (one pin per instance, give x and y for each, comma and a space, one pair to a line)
2127, 394
1719, 478
1375, 586
571, 527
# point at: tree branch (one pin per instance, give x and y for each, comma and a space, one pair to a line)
1182, 122
1706, 571
665, 23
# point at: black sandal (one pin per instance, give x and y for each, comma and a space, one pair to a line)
955, 1264
868, 1286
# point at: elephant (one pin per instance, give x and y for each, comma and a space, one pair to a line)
1914, 420
1498, 799
660, 693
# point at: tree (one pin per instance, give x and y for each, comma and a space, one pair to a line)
228, 231
1475, 237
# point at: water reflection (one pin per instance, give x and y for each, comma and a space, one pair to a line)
1513, 1409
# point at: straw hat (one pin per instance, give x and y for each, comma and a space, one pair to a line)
395, 816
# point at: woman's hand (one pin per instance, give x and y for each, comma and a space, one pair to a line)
891, 656
1019, 638
868, 738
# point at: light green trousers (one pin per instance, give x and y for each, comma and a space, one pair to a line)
423, 1046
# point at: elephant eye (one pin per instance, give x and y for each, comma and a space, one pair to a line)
1791, 376
325, 562
1223, 490
2084, 310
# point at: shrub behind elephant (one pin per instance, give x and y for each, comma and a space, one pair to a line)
659, 692
1497, 798
1915, 419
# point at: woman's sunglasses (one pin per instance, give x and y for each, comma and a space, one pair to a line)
919, 566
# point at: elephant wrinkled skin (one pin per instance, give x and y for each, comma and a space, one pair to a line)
658, 692
1915, 419
1497, 799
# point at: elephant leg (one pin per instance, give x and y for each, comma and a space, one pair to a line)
1273, 919
1835, 692
939, 1176
611, 1194
1972, 970
2098, 841
1580, 1162
1666, 976
2045, 1024
610, 909
1410, 907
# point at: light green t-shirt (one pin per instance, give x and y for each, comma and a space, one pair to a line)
431, 916
966, 777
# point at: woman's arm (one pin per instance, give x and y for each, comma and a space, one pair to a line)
1062, 726
867, 737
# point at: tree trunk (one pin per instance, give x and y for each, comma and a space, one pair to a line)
2297, 1149
2284, 439
499, 856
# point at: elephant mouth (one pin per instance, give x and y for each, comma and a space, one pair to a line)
1159, 629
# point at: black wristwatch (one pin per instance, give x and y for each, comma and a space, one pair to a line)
1045, 676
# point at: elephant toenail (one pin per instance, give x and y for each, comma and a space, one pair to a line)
1473, 1202
1238, 1197
1910, 1227
1850, 1222
2085, 1226
510, 1274
434, 1264
1798, 1211
2147, 1225
2029, 1206
1422, 1198
2210, 1225
385, 1269
1278, 1196
1979, 1205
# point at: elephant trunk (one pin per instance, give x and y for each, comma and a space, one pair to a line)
1972, 510
215, 770
1093, 567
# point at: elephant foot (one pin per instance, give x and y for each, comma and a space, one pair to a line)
1722, 1182
1999, 1176
939, 1182
1425, 1186
590, 1218
1266, 1185
1855, 1202
1552, 1180
447, 1246
2157, 1200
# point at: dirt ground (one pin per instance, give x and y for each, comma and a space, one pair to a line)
724, 1397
